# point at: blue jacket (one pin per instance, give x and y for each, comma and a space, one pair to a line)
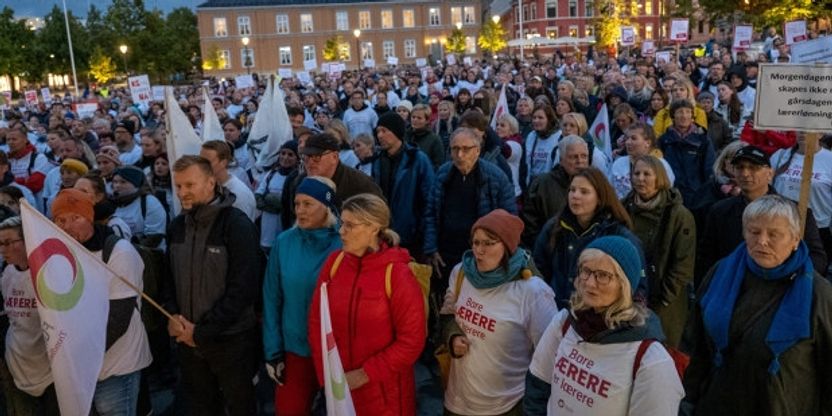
559, 266
691, 158
496, 191
291, 274
408, 198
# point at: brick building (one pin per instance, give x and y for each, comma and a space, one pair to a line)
286, 33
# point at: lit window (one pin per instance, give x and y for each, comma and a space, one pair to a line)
386, 19
434, 17
342, 21
551, 32
244, 25
247, 57
367, 50
306, 23
308, 52
285, 55
470, 45
456, 15
225, 56
408, 18
282, 23
364, 20
648, 31
469, 15
648, 7
220, 27
573, 31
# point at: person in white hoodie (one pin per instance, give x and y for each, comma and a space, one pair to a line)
360, 117
599, 356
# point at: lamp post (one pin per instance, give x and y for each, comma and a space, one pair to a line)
247, 60
496, 20
357, 34
123, 49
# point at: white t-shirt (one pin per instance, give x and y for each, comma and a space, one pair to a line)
270, 225
620, 175
131, 352
540, 154
514, 164
20, 167
244, 197
503, 325
820, 194
26, 354
597, 379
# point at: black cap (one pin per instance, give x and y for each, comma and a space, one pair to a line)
321, 143
752, 154
126, 124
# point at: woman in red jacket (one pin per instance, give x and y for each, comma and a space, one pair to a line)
379, 332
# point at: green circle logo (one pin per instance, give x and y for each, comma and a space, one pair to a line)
46, 296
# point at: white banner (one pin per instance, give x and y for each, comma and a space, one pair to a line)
159, 92
451, 59
648, 47
46, 94
421, 62
369, 63
271, 128
392, 60
794, 97
812, 51
303, 76
628, 36
285, 73
663, 57
85, 110
310, 65
31, 98
181, 138
502, 107
211, 127
140, 89
468, 61
72, 288
337, 392
244, 81
794, 31
679, 30
742, 36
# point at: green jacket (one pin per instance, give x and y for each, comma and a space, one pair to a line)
427, 141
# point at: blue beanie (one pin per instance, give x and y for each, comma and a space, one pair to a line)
131, 174
624, 253
320, 191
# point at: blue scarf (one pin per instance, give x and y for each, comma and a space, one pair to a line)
496, 277
791, 321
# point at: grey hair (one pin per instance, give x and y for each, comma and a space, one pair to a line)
727, 153
568, 141
466, 131
364, 138
509, 119
770, 207
12, 223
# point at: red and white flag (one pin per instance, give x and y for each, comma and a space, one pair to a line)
72, 287
502, 108
338, 398
600, 132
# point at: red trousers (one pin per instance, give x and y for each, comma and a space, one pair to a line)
294, 397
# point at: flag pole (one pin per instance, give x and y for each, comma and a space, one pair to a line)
71, 54
63, 233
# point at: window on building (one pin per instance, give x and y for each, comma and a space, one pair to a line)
220, 27
364, 21
282, 23
470, 45
367, 50
551, 9
410, 48
533, 11
225, 55
469, 15
552, 32
589, 5
308, 52
525, 13
244, 25
408, 18
434, 16
247, 57
573, 31
342, 20
306, 23
590, 31
388, 49
573, 8
648, 7
285, 53
648, 31
456, 15
386, 19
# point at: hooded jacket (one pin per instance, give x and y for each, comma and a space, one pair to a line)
545, 199
691, 156
427, 141
382, 335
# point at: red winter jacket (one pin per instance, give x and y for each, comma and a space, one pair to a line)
382, 335
768, 141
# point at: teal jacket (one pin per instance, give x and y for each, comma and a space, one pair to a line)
294, 263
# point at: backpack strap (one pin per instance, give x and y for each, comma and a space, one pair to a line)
32, 158
460, 277
143, 204
109, 244
642, 349
336, 264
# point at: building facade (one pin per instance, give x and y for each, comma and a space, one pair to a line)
292, 33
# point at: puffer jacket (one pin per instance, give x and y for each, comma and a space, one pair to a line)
383, 335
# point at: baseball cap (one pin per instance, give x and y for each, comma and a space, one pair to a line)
321, 143
752, 154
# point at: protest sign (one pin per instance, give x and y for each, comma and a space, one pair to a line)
304, 77
85, 110
794, 31
310, 65
285, 73
369, 63
812, 51
46, 94
140, 89
628, 36
421, 62
679, 30
468, 61
31, 98
663, 57
244, 81
392, 60
451, 59
742, 36
648, 47
159, 93
794, 97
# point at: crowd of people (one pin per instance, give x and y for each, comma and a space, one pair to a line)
567, 278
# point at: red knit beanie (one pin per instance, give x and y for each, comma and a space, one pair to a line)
505, 226
73, 201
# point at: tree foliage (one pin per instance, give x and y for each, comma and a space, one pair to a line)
102, 67
492, 37
336, 49
612, 15
213, 59
456, 42
764, 13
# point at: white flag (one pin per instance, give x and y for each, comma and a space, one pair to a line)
211, 127
600, 133
73, 308
271, 128
502, 107
181, 140
338, 398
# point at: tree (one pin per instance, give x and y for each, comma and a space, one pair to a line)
213, 59
102, 67
14, 41
492, 37
54, 47
763, 13
612, 15
456, 42
336, 49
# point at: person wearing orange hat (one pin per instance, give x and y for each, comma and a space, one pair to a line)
495, 311
127, 349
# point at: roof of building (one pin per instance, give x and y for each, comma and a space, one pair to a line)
247, 3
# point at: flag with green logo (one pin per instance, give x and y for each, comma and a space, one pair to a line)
338, 399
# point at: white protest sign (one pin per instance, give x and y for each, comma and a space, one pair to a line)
140, 89
158, 93
304, 77
648, 47
392, 60
310, 65
795, 31
794, 97
31, 98
679, 30
285, 73
46, 94
663, 57
468, 61
244, 81
742, 36
369, 63
812, 51
628, 36
421, 62
85, 110
451, 59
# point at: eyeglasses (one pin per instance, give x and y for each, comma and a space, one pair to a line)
484, 243
463, 149
315, 158
348, 226
602, 277
10, 242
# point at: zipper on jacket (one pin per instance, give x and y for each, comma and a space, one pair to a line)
191, 298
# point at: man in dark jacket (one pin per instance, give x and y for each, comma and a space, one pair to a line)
723, 226
405, 175
216, 267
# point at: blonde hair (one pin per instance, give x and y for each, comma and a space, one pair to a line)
372, 209
578, 119
623, 310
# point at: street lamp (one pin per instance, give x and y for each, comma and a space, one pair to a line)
247, 60
458, 25
495, 19
123, 49
357, 34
